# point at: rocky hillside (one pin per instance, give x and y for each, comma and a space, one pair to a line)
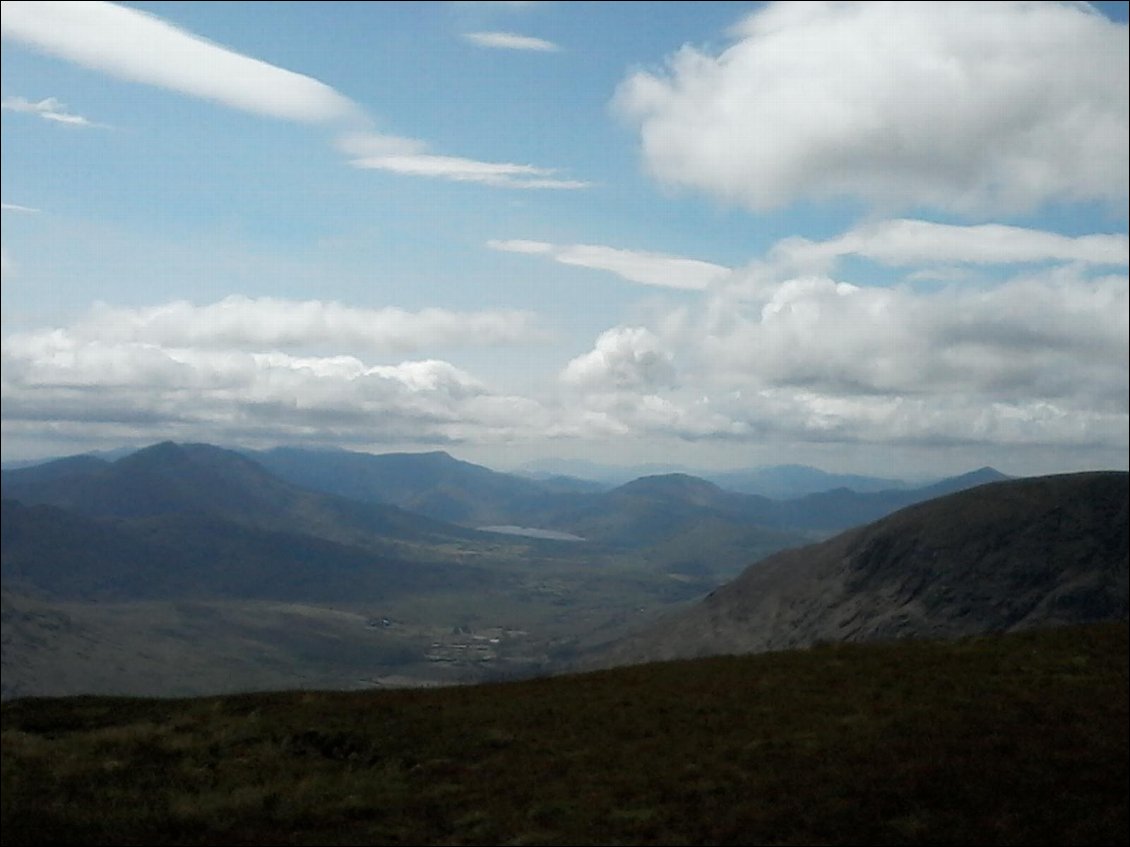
1005, 556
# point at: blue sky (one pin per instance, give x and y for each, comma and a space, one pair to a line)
885, 238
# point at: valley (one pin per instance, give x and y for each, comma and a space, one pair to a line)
192, 569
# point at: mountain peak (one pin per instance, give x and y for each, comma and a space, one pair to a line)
678, 487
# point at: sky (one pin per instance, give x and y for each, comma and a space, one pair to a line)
884, 238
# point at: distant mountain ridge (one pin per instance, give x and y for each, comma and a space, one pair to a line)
778, 482
169, 478
643, 510
275, 489
1003, 556
433, 484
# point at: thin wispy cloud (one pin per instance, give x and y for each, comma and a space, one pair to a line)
15, 207
645, 268
140, 47
49, 109
499, 174
511, 41
903, 242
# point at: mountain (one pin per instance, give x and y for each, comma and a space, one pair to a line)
199, 479
779, 482
842, 508
785, 482
68, 467
999, 557
675, 521
654, 508
651, 510
50, 552
196, 558
433, 484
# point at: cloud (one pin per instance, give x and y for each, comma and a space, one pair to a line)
624, 358
140, 47
900, 243
63, 385
1038, 360
49, 109
518, 245
656, 269
941, 105
511, 41
268, 323
14, 207
498, 174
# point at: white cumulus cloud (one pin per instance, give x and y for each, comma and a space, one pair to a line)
56, 384
970, 107
624, 358
1039, 360
265, 322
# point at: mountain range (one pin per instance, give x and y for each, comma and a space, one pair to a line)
295, 567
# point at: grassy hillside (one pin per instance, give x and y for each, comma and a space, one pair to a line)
1009, 555
1018, 739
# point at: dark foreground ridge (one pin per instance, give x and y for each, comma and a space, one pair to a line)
1007, 739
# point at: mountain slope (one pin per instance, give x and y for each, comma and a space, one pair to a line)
786, 482
433, 484
51, 552
1000, 557
652, 509
643, 511
1017, 739
200, 479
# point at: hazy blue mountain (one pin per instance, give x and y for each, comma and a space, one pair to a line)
999, 557
52, 552
785, 482
433, 484
199, 479
69, 467
649, 509
606, 475
780, 482
277, 489
565, 484
843, 508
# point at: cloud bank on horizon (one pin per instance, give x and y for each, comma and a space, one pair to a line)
944, 274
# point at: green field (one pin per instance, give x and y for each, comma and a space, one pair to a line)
1018, 739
